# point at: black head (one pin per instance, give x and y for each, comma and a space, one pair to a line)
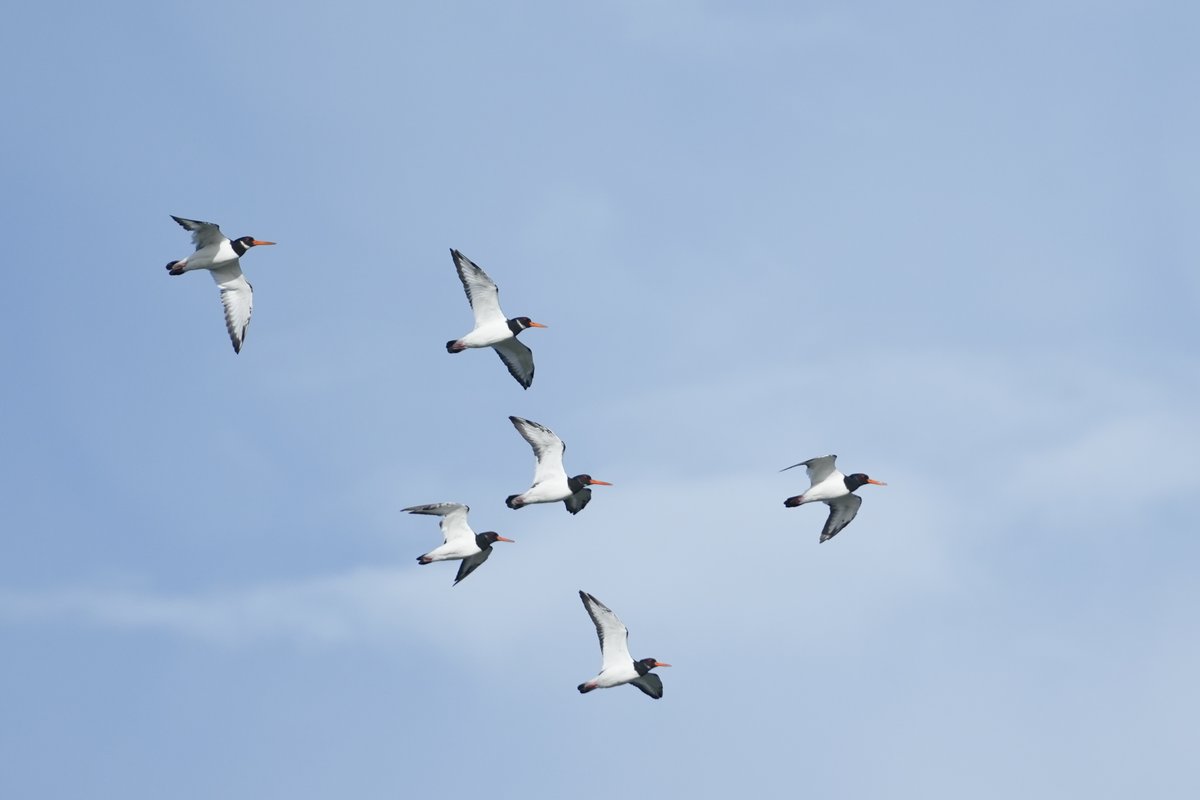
518, 324
585, 480
858, 479
647, 664
240, 246
485, 540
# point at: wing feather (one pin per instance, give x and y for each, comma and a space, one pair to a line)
471, 563
237, 296
547, 448
842, 511
650, 684
203, 233
453, 523
613, 635
576, 502
481, 290
518, 358
818, 468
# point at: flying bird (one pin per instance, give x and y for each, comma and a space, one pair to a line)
550, 481
216, 253
834, 490
492, 328
461, 543
616, 665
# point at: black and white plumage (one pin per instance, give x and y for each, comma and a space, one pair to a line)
831, 487
550, 481
460, 542
616, 665
221, 256
492, 329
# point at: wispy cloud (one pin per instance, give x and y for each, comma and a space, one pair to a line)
361, 604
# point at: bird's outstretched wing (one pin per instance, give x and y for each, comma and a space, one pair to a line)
650, 684
577, 501
481, 290
547, 448
203, 233
454, 522
614, 636
841, 512
818, 468
518, 358
237, 295
471, 563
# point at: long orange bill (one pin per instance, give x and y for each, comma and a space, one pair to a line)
538, 325
257, 242
502, 539
600, 483
661, 664
877, 483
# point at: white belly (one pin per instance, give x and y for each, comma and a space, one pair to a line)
211, 257
547, 492
453, 551
487, 335
616, 676
832, 487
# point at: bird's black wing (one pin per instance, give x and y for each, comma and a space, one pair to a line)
841, 513
577, 501
472, 563
518, 358
650, 684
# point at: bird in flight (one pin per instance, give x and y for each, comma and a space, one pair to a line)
616, 665
216, 253
492, 329
834, 490
550, 481
461, 543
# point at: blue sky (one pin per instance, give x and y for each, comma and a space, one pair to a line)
952, 243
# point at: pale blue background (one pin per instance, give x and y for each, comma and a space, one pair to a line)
954, 243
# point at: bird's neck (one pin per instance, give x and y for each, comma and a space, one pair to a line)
514, 326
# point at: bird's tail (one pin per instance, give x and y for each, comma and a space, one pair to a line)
584, 688
792, 502
452, 346
173, 268
424, 560
511, 501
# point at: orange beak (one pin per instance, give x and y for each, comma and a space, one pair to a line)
877, 483
537, 325
257, 242
595, 482
661, 664
502, 539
